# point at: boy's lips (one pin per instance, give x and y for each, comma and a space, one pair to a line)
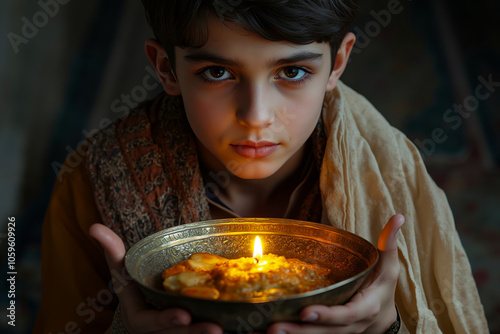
254, 150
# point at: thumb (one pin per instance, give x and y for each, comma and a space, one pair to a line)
114, 251
387, 267
132, 301
388, 240
113, 246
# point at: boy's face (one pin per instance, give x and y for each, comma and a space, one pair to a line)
252, 103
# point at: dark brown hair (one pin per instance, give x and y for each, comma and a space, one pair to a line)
183, 23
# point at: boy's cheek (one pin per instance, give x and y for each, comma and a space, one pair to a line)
208, 100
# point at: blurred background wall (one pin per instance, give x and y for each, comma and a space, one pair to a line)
67, 68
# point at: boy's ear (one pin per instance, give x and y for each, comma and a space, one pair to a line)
159, 59
341, 60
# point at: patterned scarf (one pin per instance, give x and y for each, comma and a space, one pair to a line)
145, 173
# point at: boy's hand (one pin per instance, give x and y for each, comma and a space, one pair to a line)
136, 315
371, 310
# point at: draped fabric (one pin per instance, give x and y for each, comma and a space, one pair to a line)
370, 172
145, 172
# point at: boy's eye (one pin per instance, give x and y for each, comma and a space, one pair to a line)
216, 73
291, 72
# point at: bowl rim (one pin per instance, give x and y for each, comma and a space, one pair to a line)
130, 253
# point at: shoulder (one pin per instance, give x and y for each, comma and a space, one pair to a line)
72, 208
351, 115
353, 112
106, 147
355, 127
136, 120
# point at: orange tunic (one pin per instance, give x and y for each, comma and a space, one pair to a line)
75, 275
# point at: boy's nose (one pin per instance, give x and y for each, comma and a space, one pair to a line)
255, 108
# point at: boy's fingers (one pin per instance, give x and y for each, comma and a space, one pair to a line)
356, 310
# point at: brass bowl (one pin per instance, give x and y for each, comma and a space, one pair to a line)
349, 256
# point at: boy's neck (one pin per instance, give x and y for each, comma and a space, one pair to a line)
268, 197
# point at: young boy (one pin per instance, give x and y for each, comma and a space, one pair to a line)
255, 123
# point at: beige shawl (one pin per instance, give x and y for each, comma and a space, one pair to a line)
370, 172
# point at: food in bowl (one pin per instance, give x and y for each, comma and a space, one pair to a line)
210, 276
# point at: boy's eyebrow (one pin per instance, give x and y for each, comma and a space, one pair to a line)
201, 56
300, 56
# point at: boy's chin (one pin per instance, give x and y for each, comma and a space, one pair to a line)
254, 176
253, 172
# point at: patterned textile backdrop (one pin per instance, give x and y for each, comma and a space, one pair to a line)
69, 67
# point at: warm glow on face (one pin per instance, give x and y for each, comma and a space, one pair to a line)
257, 249
254, 101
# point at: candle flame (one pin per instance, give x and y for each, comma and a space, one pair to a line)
257, 249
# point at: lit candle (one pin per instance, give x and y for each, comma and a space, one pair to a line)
257, 249
258, 253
